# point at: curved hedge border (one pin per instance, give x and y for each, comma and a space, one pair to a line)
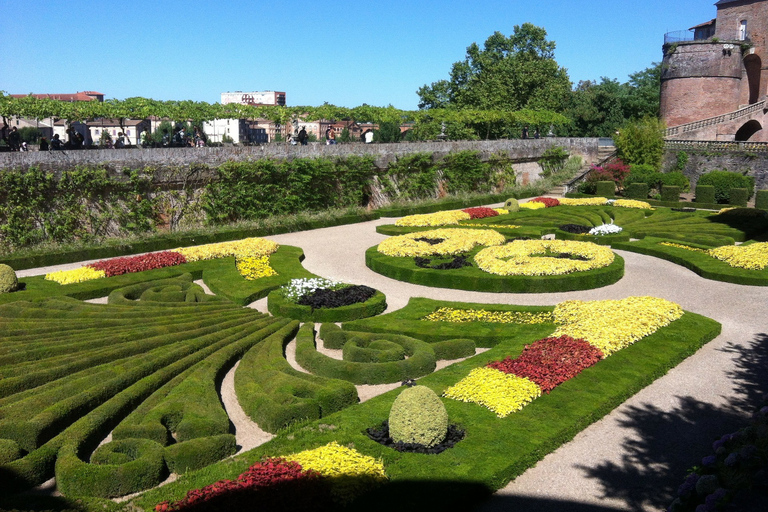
421, 359
279, 306
703, 265
472, 278
275, 395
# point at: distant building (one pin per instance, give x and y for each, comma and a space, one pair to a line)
714, 82
254, 98
79, 96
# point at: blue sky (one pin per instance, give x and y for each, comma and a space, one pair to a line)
343, 52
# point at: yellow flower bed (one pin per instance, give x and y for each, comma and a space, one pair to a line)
500, 392
351, 472
686, 247
481, 315
532, 205
455, 241
254, 268
501, 211
517, 258
584, 201
77, 275
611, 325
434, 219
631, 203
245, 248
751, 257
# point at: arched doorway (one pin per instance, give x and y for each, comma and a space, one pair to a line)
752, 65
748, 130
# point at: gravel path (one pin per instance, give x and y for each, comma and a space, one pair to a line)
635, 457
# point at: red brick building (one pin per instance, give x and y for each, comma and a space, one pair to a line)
714, 79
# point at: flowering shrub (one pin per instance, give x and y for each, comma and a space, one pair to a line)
752, 257
606, 229
245, 248
480, 212
350, 472
551, 361
271, 484
549, 202
480, 315
611, 325
77, 275
140, 263
520, 258
632, 203
297, 288
587, 201
254, 268
434, 219
616, 171
532, 205
454, 241
500, 392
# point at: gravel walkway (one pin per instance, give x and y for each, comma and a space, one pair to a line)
635, 457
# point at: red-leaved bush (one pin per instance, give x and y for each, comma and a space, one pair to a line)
551, 361
273, 484
130, 264
616, 171
480, 212
548, 201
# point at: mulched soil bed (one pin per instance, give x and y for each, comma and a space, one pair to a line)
336, 298
381, 436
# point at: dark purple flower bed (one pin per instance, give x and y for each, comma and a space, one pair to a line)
430, 241
381, 436
457, 262
576, 229
322, 298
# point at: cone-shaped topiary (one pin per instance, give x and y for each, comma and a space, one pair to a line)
8, 281
418, 416
512, 205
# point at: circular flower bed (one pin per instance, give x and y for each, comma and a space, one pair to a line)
449, 242
543, 258
322, 300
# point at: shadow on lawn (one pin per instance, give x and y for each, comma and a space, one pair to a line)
666, 444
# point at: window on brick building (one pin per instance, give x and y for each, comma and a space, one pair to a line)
742, 30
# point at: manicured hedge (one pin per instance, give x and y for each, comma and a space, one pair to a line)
705, 266
494, 450
705, 194
638, 191
275, 395
279, 306
739, 196
761, 199
420, 361
605, 189
472, 278
670, 193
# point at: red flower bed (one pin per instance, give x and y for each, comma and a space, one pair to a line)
130, 264
548, 201
551, 361
480, 212
273, 484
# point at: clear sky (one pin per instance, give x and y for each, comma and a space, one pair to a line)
342, 52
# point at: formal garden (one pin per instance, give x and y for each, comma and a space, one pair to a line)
113, 398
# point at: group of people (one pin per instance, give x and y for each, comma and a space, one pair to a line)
536, 133
302, 137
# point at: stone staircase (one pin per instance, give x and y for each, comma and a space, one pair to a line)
604, 154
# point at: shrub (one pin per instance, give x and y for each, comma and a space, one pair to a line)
761, 199
705, 193
641, 142
676, 179
637, 191
511, 205
670, 193
9, 451
8, 280
553, 160
419, 417
605, 188
643, 173
724, 181
454, 349
738, 196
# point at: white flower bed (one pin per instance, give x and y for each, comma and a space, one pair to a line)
294, 290
605, 229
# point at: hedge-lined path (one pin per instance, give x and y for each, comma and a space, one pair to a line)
635, 457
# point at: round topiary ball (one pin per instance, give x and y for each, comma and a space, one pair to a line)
512, 205
8, 281
419, 417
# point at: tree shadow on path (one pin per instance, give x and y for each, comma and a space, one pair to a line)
663, 445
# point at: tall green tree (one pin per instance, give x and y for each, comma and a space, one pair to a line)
510, 73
